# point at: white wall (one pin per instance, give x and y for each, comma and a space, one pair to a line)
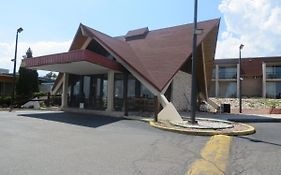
181, 91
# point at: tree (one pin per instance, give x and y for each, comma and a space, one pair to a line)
27, 82
51, 76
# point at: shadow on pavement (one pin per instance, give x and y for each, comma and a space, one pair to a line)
258, 140
75, 118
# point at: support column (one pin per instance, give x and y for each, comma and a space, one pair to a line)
64, 90
125, 93
156, 108
110, 89
238, 81
217, 81
264, 80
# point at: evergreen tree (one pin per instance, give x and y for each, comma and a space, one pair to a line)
27, 82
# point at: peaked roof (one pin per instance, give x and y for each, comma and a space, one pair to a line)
159, 54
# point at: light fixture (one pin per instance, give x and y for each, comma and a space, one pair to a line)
19, 30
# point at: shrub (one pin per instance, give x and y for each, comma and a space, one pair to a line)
5, 101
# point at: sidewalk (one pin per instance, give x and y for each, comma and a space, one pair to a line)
247, 118
244, 118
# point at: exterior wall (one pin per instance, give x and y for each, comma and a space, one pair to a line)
227, 85
272, 80
252, 87
254, 84
224, 81
181, 91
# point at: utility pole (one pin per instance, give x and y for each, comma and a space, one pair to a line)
19, 30
240, 79
194, 82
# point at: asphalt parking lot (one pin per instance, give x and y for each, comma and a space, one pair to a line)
49, 143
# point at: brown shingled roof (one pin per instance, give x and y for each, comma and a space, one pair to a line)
159, 55
155, 55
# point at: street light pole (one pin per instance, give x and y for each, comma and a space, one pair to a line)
194, 83
240, 79
19, 30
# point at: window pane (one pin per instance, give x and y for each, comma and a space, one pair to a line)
273, 89
227, 89
86, 86
227, 72
131, 88
273, 72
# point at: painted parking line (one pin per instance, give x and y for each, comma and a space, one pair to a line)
214, 157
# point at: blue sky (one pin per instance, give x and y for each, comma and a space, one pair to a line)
58, 20
49, 26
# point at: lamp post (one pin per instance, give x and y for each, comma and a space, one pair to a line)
194, 83
240, 79
19, 30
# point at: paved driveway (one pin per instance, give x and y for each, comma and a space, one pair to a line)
65, 143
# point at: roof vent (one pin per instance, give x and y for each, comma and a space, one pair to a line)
136, 34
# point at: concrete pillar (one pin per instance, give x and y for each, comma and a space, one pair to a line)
110, 90
264, 80
237, 81
217, 81
125, 93
64, 90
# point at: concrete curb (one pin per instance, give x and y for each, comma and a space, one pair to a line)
142, 119
258, 120
206, 132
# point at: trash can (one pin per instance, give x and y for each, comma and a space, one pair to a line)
225, 108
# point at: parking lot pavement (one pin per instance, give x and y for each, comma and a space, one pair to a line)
65, 143
259, 153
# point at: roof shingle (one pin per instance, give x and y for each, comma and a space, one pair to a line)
159, 55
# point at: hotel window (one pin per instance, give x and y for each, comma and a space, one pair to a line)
273, 72
227, 72
273, 89
227, 89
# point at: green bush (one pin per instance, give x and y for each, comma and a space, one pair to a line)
39, 94
5, 101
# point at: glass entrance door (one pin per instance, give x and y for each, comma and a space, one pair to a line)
99, 92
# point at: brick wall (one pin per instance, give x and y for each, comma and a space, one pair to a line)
181, 91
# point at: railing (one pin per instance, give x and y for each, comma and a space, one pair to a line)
273, 75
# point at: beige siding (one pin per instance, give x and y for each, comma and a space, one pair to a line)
252, 87
181, 91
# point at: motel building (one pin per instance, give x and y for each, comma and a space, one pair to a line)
261, 77
148, 71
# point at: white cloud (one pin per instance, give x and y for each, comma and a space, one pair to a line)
255, 23
7, 51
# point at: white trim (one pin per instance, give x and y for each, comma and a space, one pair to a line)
238, 81
59, 84
204, 69
64, 90
163, 100
264, 80
167, 86
217, 81
110, 90
86, 43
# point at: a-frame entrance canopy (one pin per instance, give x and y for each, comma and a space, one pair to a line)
153, 57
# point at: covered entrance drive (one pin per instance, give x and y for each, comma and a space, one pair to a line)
134, 71
95, 82
88, 78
